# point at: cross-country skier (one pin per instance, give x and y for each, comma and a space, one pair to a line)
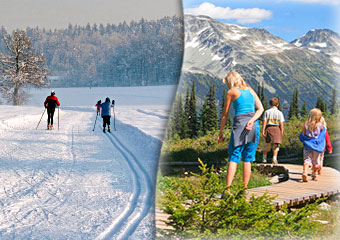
51, 103
98, 106
106, 114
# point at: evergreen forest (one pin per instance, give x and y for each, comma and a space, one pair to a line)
136, 54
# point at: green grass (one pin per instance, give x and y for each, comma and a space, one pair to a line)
331, 230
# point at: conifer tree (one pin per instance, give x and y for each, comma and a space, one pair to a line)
177, 123
325, 108
186, 114
222, 105
229, 121
280, 106
294, 105
320, 104
209, 115
192, 113
259, 90
304, 111
262, 96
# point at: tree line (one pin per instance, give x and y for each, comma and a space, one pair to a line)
187, 120
136, 54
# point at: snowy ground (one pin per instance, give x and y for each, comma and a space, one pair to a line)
75, 183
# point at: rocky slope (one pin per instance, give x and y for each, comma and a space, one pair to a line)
214, 48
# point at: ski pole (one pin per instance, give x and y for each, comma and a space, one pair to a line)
58, 119
95, 123
114, 115
114, 120
40, 119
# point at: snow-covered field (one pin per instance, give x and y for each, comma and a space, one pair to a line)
76, 183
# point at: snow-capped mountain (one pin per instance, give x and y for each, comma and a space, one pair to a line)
215, 48
321, 40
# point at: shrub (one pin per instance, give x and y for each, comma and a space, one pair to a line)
196, 211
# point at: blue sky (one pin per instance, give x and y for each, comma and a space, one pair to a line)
288, 19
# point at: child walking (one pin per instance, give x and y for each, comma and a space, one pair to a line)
314, 143
272, 130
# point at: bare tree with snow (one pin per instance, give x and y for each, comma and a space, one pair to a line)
20, 66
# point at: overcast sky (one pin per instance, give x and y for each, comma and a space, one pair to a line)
288, 19
59, 13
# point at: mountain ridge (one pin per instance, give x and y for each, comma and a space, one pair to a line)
260, 57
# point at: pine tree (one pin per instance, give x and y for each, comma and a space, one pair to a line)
333, 102
186, 114
294, 105
259, 91
222, 105
304, 111
262, 96
325, 108
229, 121
297, 103
192, 113
320, 104
176, 122
172, 124
209, 115
280, 106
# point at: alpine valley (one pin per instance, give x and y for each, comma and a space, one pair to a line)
212, 49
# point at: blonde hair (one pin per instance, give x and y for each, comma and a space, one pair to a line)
314, 118
233, 79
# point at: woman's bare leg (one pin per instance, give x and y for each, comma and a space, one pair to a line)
246, 173
231, 173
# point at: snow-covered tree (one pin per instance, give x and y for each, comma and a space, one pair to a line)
20, 66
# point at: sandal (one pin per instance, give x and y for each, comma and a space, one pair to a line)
314, 178
304, 177
319, 171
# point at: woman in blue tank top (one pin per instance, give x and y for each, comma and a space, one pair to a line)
246, 129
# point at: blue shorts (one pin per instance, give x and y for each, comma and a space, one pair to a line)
247, 151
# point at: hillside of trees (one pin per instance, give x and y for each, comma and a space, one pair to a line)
191, 118
136, 54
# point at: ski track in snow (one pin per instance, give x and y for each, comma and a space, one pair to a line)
75, 183
121, 225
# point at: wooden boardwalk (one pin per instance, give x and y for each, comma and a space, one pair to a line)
295, 192
292, 191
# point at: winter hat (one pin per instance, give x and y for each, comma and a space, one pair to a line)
52, 92
107, 99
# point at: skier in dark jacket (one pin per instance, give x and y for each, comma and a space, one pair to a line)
106, 113
51, 103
